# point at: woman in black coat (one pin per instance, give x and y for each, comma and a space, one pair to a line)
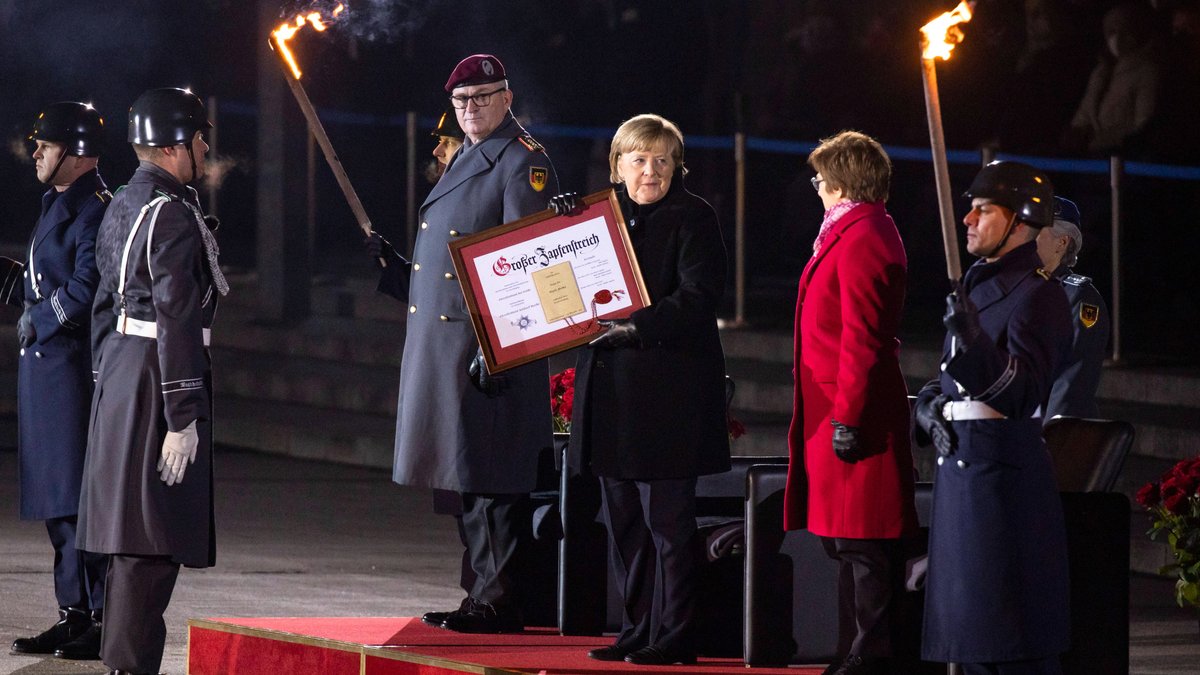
649, 413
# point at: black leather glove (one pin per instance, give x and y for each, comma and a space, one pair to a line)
930, 420
477, 371
378, 247
620, 333
568, 203
212, 222
846, 443
26, 333
962, 317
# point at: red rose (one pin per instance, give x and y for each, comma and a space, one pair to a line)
735, 427
568, 403
1149, 496
1174, 500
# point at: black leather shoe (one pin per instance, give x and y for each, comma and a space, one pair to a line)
438, 618
485, 618
86, 647
854, 664
833, 667
657, 656
71, 624
611, 653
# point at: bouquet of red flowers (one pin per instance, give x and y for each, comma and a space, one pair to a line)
1174, 501
562, 399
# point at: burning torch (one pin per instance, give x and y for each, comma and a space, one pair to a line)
278, 42
938, 38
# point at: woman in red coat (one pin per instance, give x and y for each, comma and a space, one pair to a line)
850, 478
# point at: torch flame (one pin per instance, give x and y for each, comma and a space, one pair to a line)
941, 34
286, 30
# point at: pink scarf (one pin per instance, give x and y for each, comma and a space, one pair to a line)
831, 216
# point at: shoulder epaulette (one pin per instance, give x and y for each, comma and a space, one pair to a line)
1041, 272
104, 196
530, 143
1076, 279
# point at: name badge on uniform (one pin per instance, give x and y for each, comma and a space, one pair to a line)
537, 178
1088, 315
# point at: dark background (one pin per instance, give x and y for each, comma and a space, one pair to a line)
786, 72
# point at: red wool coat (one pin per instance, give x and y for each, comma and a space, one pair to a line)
847, 368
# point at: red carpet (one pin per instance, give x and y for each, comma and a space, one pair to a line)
405, 646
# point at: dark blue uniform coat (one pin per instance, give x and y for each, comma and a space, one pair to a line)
1074, 392
449, 435
54, 388
997, 585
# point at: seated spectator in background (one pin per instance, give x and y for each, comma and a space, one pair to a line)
1124, 89
1169, 137
1074, 392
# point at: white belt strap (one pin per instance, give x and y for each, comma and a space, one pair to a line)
148, 329
961, 411
155, 204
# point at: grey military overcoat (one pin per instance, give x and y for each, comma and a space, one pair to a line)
448, 434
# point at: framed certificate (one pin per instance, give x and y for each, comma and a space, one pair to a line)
537, 286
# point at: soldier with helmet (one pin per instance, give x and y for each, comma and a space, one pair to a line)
449, 137
1074, 392
57, 284
147, 492
997, 526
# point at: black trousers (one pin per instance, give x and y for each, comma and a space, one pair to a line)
1048, 666
139, 590
866, 585
494, 525
449, 502
78, 575
655, 558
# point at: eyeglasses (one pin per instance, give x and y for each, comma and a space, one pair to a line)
816, 183
480, 100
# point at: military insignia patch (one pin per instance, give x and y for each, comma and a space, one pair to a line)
1088, 315
537, 178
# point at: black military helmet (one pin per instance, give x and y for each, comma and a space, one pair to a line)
448, 126
76, 125
1017, 187
166, 117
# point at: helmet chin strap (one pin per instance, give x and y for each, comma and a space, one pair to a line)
62, 158
1003, 240
192, 158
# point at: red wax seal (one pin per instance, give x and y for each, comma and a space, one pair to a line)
603, 297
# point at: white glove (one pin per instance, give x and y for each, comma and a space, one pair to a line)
178, 450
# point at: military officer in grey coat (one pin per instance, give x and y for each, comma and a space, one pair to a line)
147, 494
457, 427
1074, 392
54, 369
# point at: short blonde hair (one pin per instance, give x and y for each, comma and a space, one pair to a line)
147, 153
642, 133
856, 163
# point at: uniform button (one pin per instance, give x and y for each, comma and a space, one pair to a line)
941, 461
443, 317
22, 351
416, 266
424, 226
449, 275
943, 367
453, 233
38, 354
25, 274
412, 309
962, 464
39, 276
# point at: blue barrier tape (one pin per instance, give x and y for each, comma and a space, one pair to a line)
754, 143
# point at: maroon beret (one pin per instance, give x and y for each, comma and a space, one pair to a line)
476, 69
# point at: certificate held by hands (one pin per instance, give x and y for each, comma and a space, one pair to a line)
537, 286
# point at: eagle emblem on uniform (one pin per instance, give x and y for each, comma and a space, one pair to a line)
537, 178
1088, 315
